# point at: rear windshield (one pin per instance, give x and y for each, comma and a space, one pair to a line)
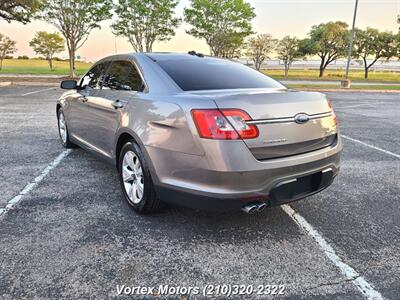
203, 73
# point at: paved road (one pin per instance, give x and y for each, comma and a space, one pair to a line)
72, 235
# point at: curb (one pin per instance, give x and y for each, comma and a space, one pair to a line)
350, 91
337, 81
29, 83
57, 84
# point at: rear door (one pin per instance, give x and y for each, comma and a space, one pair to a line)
120, 85
289, 122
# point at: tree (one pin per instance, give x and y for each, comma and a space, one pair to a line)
18, 10
229, 45
288, 51
373, 43
327, 40
224, 24
398, 45
259, 47
75, 19
7, 46
47, 44
145, 22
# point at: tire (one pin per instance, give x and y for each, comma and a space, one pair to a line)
63, 130
135, 180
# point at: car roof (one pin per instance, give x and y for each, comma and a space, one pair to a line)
155, 77
160, 56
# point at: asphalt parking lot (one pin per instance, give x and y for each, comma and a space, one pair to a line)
72, 236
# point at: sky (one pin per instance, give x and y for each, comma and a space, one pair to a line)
277, 17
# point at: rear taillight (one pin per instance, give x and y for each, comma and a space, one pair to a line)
334, 118
226, 124
238, 120
211, 124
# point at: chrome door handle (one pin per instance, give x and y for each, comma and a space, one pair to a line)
118, 104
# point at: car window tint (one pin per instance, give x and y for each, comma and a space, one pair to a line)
204, 73
93, 78
123, 75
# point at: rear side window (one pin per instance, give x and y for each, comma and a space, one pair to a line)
94, 76
203, 73
123, 75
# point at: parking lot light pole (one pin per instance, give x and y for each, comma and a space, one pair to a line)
351, 46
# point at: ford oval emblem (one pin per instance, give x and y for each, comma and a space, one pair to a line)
301, 118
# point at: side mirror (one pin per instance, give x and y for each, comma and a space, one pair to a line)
69, 85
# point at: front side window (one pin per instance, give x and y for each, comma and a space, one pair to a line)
123, 75
93, 78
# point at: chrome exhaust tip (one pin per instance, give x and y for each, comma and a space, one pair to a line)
254, 207
250, 208
261, 206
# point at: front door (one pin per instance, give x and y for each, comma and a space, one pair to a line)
89, 86
77, 111
106, 110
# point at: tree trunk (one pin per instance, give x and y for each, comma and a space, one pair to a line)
1, 63
50, 63
73, 65
322, 67
71, 53
286, 69
258, 65
321, 71
366, 72
365, 67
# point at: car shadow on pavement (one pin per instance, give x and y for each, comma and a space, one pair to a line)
174, 223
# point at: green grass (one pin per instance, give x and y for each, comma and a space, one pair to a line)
356, 75
353, 87
40, 67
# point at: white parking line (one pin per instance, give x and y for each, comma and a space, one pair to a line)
370, 146
30, 186
352, 106
366, 289
38, 91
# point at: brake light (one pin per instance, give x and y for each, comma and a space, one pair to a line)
334, 118
238, 120
227, 124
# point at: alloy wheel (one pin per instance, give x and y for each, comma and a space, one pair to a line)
132, 176
62, 127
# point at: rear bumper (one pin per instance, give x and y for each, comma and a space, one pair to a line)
238, 178
281, 193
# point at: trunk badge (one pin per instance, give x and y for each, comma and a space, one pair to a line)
275, 141
301, 118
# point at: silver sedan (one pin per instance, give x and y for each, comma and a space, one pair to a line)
201, 132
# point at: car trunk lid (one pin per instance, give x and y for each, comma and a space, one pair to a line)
289, 122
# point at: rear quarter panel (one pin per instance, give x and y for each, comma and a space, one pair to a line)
163, 122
